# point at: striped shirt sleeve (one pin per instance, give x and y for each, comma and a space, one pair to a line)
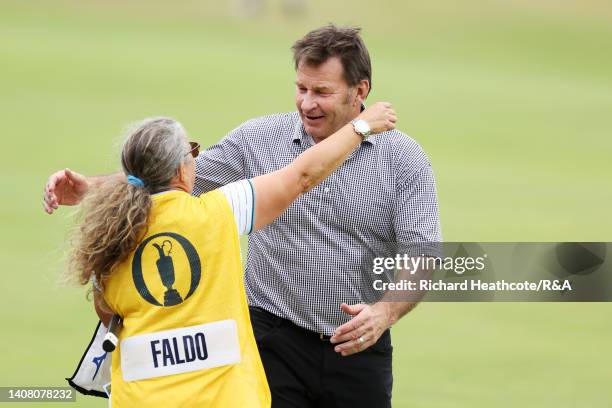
241, 197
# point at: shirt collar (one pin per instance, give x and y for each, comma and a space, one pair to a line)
300, 135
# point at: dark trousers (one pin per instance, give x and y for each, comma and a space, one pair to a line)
304, 371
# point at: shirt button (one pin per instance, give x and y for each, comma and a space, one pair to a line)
326, 189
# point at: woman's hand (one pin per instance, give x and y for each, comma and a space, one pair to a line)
380, 117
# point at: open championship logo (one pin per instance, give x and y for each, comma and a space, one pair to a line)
165, 268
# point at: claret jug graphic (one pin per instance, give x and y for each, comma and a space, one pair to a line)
168, 258
165, 267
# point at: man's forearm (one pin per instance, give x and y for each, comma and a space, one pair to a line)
398, 303
96, 181
395, 310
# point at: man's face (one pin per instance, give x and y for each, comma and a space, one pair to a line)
323, 98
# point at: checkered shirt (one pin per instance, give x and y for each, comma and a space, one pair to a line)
310, 260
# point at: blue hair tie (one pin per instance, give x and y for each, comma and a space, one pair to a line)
135, 181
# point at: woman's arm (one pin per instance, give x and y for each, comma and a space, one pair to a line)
275, 191
102, 309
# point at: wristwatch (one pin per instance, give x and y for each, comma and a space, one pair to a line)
361, 128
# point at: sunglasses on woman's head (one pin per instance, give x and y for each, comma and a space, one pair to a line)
195, 149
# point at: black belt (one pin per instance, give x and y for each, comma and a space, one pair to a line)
320, 336
382, 344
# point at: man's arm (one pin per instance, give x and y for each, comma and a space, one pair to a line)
369, 322
416, 223
218, 165
66, 187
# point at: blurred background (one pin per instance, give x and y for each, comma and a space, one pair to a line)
512, 101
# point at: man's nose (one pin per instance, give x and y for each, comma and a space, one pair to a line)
308, 102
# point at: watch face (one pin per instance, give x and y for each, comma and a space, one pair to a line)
361, 126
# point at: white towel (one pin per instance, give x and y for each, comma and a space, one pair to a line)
93, 373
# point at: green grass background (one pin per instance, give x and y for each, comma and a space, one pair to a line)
512, 100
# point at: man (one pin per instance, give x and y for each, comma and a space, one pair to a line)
322, 345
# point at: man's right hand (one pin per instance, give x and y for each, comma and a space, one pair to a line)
64, 187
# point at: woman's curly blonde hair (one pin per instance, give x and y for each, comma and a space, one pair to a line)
114, 217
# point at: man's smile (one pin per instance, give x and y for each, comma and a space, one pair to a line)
314, 118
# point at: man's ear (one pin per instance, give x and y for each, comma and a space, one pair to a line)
362, 90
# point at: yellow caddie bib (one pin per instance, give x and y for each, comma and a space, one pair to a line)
186, 339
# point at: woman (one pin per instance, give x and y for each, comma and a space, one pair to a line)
169, 264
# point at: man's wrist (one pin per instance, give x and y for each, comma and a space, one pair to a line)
394, 310
388, 311
97, 181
